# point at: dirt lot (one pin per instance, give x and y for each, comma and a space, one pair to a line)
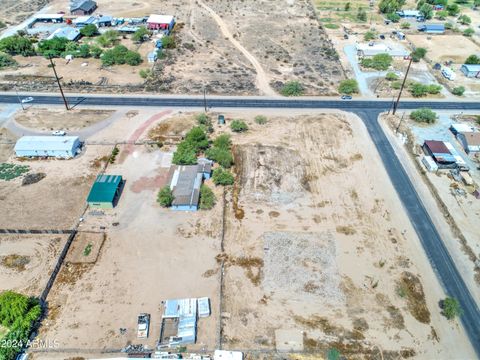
153, 254
446, 47
318, 242
26, 261
7, 141
58, 200
14, 12
60, 119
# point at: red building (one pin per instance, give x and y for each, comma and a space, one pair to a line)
160, 22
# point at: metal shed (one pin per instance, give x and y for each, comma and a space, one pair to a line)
69, 33
105, 191
185, 184
432, 28
471, 71
47, 146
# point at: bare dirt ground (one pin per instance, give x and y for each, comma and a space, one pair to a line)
7, 141
153, 254
14, 12
58, 200
60, 119
26, 261
446, 47
318, 242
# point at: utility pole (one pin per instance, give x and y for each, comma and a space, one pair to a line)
205, 98
395, 106
19, 100
58, 82
400, 123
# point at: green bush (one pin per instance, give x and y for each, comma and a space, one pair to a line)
222, 177
458, 91
378, 62
361, 14
349, 86
473, 60
6, 60
220, 151
390, 6
165, 196
468, 32
426, 10
391, 76
145, 73
423, 115
292, 88
141, 34
120, 55
197, 138
168, 42
238, 126
442, 14
369, 35
331, 26
419, 90
451, 308
261, 119
89, 30
453, 10
18, 313
17, 45
108, 38
434, 89
405, 25
418, 53
448, 26
207, 198
95, 52
55, 47
222, 141
396, 85
133, 58
464, 20
393, 17
184, 155
205, 121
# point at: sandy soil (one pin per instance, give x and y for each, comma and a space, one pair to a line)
60, 119
27, 261
14, 12
57, 201
152, 255
7, 142
335, 212
446, 47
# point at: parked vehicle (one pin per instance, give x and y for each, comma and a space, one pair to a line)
27, 100
346, 97
143, 325
448, 74
59, 133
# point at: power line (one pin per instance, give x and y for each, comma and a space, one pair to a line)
58, 82
395, 106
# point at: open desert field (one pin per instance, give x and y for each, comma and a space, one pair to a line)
446, 47
319, 253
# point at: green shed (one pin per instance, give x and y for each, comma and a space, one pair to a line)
105, 191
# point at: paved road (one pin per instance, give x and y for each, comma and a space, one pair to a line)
432, 243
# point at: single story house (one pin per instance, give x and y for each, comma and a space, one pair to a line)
185, 185
432, 28
103, 21
409, 14
69, 33
48, 146
366, 50
179, 322
53, 18
105, 191
471, 71
83, 21
85, 7
160, 22
440, 153
459, 128
470, 141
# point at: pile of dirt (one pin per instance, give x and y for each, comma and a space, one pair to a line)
412, 288
271, 174
32, 178
302, 263
15, 262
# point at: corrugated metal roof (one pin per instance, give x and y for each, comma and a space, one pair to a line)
84, 20
104, 188
437, 147
471, 68
68, 33
472, 138
434, 27
84, 5
203, 307
46, 143
160, 19
185, 185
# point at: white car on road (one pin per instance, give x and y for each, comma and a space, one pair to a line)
59, 133
27, 100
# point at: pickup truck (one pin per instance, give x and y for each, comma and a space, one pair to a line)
143, 325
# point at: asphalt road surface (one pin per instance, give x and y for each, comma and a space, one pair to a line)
368, 111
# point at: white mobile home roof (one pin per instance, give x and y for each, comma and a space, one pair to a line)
46, 143
203, 307
160, 19
68, 33
459, 128
49, 16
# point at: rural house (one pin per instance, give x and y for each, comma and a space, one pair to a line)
185, 185
471, 71
432, 28
409, 14
48, 146
83, 21
105, 192
470, 141
104, 20
366, 50
160, 22
68, 33
440, 153
85, 7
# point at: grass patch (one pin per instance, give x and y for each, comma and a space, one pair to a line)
331, 26
15, 262
88, 249
409, 287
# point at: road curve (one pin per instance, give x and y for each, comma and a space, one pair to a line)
368, 111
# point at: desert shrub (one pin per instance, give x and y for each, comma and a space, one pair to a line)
133, 58
222, 141
108, 38
453, 10
468, 32
369, 35
145, 73
89, 30
165, 196
168, 42
426, 10
390, 6
396, 85
423, 115
419, 90
207, 198
458, 91
464, 20
451, 308
434, 89
418, 53
442, 14
222, 177
331, 26
405, 25
141, 34
393, 17
361, 14
473, 60
220, 151
391, 76
261, 119
17, 45
6, 60
95, 52
292, 88
349, 86
205, 121
378, 62
238, 126
120, 55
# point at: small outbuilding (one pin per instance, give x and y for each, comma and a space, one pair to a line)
432, 28
459, 128
440, 153
83, 21
471, 71
105, 191
85, 7
48, 146
185, 185
103, 21
69, 33
470, 141
409, 14
160, 22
